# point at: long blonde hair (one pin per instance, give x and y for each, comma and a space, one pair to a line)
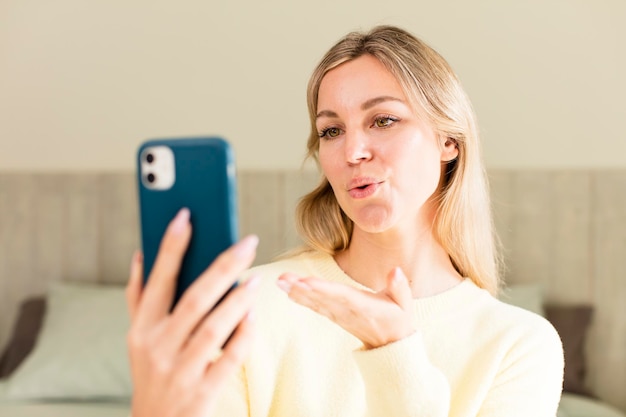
463, 222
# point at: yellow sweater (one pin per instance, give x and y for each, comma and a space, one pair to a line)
472, 356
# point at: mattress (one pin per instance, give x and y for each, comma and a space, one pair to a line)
65, 410
577, 406
571, 406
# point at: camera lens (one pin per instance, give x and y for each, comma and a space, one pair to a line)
151, 178
150, 158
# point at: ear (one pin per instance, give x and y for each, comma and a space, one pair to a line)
449, 150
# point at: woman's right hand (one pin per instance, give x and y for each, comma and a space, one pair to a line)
177, 362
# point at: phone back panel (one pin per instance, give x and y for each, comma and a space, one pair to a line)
205, 183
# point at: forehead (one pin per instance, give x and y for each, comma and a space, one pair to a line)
356, 81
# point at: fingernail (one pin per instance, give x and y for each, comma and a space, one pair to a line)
134, 261
284, 285
397, 274
246, 245
253, 282
303, 285
181, 221
251, 316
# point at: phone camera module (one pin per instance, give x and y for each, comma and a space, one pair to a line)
157, 167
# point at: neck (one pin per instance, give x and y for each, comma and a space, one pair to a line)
371, 257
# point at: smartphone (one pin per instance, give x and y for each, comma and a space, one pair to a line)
199, 174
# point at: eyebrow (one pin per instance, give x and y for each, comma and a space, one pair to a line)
368, 104
377, 100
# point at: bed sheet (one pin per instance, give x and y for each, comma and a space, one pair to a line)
64, 410
578, 406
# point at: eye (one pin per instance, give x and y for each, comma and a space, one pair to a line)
330, 133
384, 121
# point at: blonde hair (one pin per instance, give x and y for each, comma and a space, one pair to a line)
463, 223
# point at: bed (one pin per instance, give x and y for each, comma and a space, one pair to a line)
573, 405
67, 354
66, 241
68, 409
572, 322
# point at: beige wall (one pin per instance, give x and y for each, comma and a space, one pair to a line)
82, 83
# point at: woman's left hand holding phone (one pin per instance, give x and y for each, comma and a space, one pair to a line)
175, 362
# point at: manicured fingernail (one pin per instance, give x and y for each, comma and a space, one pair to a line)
246, 245
397, 274
284, 285
181, 221
135, 260
303, 285
251, 316
253, 282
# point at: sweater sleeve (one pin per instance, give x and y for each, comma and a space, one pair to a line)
530, 380
400, 380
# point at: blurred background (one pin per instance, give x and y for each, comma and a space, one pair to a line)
83, 83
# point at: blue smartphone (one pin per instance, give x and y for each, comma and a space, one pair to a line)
197, 173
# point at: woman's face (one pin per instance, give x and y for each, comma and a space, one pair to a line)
382, 160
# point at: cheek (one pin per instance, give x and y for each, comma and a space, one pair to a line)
423, 170
327, 161
432, 174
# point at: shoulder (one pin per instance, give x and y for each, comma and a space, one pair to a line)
522, 328
527, 323
527, 333
519, 349
523, 319
533, 352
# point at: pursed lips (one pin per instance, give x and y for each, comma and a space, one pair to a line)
361, 187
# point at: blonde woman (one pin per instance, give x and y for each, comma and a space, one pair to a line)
390, 309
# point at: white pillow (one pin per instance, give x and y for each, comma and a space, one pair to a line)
81, 350
526, 296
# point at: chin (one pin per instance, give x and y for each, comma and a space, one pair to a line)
374, 220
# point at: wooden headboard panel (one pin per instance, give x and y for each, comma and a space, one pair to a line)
564, 229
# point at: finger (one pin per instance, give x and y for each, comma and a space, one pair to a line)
159, 290
287, 280
319, 288
336, 301
218, 326
134, 286
234, 353
209, 288
398, 288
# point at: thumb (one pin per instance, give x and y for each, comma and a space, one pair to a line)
398, 288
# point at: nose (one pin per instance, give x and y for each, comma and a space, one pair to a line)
357, 148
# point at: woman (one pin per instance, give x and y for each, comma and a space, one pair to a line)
390, 309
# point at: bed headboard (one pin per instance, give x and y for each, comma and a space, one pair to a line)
563, 229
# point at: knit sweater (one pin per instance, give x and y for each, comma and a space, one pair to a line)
471, 356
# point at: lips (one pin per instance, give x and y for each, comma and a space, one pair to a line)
362, 187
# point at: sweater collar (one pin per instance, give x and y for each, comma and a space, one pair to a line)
447, 301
